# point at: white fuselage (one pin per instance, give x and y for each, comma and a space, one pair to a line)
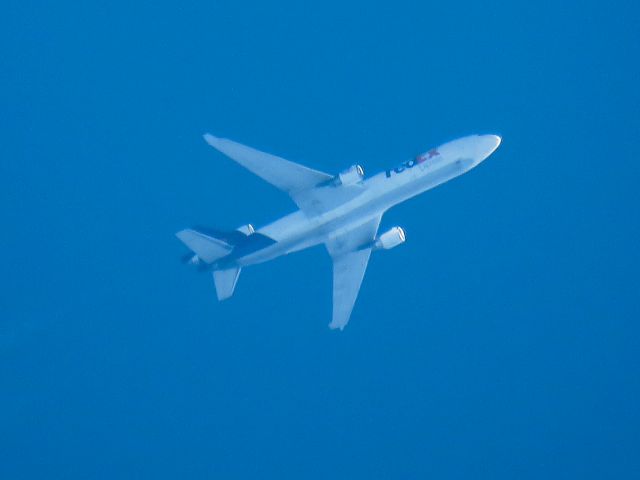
297, 231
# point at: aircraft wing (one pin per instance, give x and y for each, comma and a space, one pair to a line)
350, 252
281, 173
310, 189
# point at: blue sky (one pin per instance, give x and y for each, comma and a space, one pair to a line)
501, 341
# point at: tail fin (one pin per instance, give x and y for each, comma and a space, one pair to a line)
210, 245
209, 249
225, 281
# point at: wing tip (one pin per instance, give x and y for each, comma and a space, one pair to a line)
181, 235
210, 139
337, 326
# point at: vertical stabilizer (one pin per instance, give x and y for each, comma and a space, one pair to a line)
225, 281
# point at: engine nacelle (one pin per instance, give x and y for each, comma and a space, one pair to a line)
390, 238
351, 175
246, 229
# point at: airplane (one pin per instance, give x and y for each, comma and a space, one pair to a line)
341, 211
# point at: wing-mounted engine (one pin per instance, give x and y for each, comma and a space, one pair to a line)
350, 176
390, 239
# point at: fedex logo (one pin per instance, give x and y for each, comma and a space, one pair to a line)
413, 162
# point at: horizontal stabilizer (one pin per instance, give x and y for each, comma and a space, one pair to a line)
207, 248
225, 281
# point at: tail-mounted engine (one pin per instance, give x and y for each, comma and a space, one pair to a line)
390, 239
246, 229
351, 175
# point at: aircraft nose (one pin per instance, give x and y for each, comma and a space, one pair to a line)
474, 148
487, 145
